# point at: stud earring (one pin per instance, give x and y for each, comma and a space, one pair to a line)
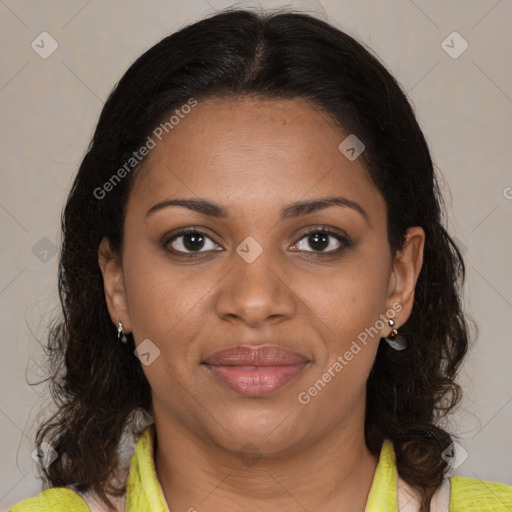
394, 340
120, 334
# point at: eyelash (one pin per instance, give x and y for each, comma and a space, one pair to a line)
344, 240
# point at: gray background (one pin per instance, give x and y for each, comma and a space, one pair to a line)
50, 107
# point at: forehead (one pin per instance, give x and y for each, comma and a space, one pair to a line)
255, 152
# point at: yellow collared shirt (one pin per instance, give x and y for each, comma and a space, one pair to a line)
144, 493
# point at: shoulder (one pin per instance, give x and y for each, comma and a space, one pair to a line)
56, 499
473, 494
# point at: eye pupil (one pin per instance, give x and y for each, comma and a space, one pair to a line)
319, 240
196, 241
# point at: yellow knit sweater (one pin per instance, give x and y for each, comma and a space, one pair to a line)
144, 493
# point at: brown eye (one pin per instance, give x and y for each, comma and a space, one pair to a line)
323, 240
190, 241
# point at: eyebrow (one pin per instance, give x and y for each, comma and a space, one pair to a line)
291, 211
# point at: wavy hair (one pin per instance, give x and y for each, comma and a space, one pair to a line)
98, 384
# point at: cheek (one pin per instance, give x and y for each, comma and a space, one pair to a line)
164, 309
159, 295
355, 293
350, 309
351, 306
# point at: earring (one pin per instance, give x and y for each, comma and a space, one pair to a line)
120, 334
394, 340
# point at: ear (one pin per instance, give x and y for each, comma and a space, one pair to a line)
406, 269
113, 284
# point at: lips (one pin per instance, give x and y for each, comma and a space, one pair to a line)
267, 355
255, 371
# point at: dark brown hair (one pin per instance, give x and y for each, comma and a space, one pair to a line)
97, 383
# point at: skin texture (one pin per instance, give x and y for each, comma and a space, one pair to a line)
218, 449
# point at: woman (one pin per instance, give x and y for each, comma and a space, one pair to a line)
257, 288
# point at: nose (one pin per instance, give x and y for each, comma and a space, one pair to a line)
256, 293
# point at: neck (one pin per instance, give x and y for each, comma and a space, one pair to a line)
334, 473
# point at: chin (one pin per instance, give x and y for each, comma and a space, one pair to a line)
269, 430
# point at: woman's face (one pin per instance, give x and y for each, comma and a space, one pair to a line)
254, 276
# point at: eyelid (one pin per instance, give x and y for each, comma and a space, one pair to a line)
326, 229
339, 235
175, 234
